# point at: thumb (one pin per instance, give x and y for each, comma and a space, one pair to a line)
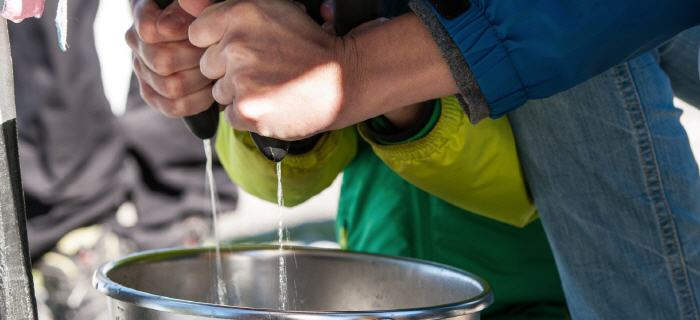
174, 22
194, 7
328, 11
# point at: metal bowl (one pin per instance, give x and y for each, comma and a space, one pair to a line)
322, 284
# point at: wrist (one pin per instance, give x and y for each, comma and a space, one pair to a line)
407, 116
353, 80
383, 130
391, 66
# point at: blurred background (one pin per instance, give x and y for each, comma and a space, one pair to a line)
105, 175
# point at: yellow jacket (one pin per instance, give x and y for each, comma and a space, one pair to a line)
474, 167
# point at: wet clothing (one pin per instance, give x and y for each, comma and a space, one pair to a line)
402, 199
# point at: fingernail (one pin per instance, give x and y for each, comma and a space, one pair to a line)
330, 4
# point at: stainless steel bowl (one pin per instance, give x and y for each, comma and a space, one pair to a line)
322, 284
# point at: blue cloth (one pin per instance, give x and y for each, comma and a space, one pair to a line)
618, 195
522, 50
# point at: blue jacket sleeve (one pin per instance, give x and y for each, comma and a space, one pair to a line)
503, 53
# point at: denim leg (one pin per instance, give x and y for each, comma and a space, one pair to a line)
611, 171
679, 59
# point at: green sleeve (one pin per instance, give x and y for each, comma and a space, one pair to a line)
381, 130
303, 176
474, 167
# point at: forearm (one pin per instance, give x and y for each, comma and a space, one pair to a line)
390, 67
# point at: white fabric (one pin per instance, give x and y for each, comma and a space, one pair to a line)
62, 24
18, 10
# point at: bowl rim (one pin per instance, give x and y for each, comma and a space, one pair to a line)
116, 291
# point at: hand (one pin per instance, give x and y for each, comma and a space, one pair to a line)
283, 77
165, 63
278, 73
401, 118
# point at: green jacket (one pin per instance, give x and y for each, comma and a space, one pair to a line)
381, 212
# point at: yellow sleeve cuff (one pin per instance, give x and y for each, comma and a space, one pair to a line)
303, 176
474, 167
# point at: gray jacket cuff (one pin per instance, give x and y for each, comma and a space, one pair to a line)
470, 97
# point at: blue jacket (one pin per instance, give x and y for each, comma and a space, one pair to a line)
505, 52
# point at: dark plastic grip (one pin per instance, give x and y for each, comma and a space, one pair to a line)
204, 124
273, 149
349, 14
163, 3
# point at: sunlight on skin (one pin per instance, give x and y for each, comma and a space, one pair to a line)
325, 84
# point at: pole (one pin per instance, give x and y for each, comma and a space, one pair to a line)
17, 300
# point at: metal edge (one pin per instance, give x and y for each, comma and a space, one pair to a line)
159, 303
16, 283
7, 89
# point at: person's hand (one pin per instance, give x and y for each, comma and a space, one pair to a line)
165, 63
402, 117
276, 70
283, 77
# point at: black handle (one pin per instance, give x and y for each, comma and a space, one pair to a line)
204, 124
273, 149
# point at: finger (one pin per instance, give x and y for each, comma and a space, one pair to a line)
300, 5
211, 25
236, 121
213, 62
224, 91
189, 105
328, 27
146, 15
169, 57
173, 23
132, 38
174, 86
194, 7
328, 11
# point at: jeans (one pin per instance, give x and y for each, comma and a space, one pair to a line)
611, 171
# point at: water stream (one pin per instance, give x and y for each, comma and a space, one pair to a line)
280, 239
221, 287
221, 290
